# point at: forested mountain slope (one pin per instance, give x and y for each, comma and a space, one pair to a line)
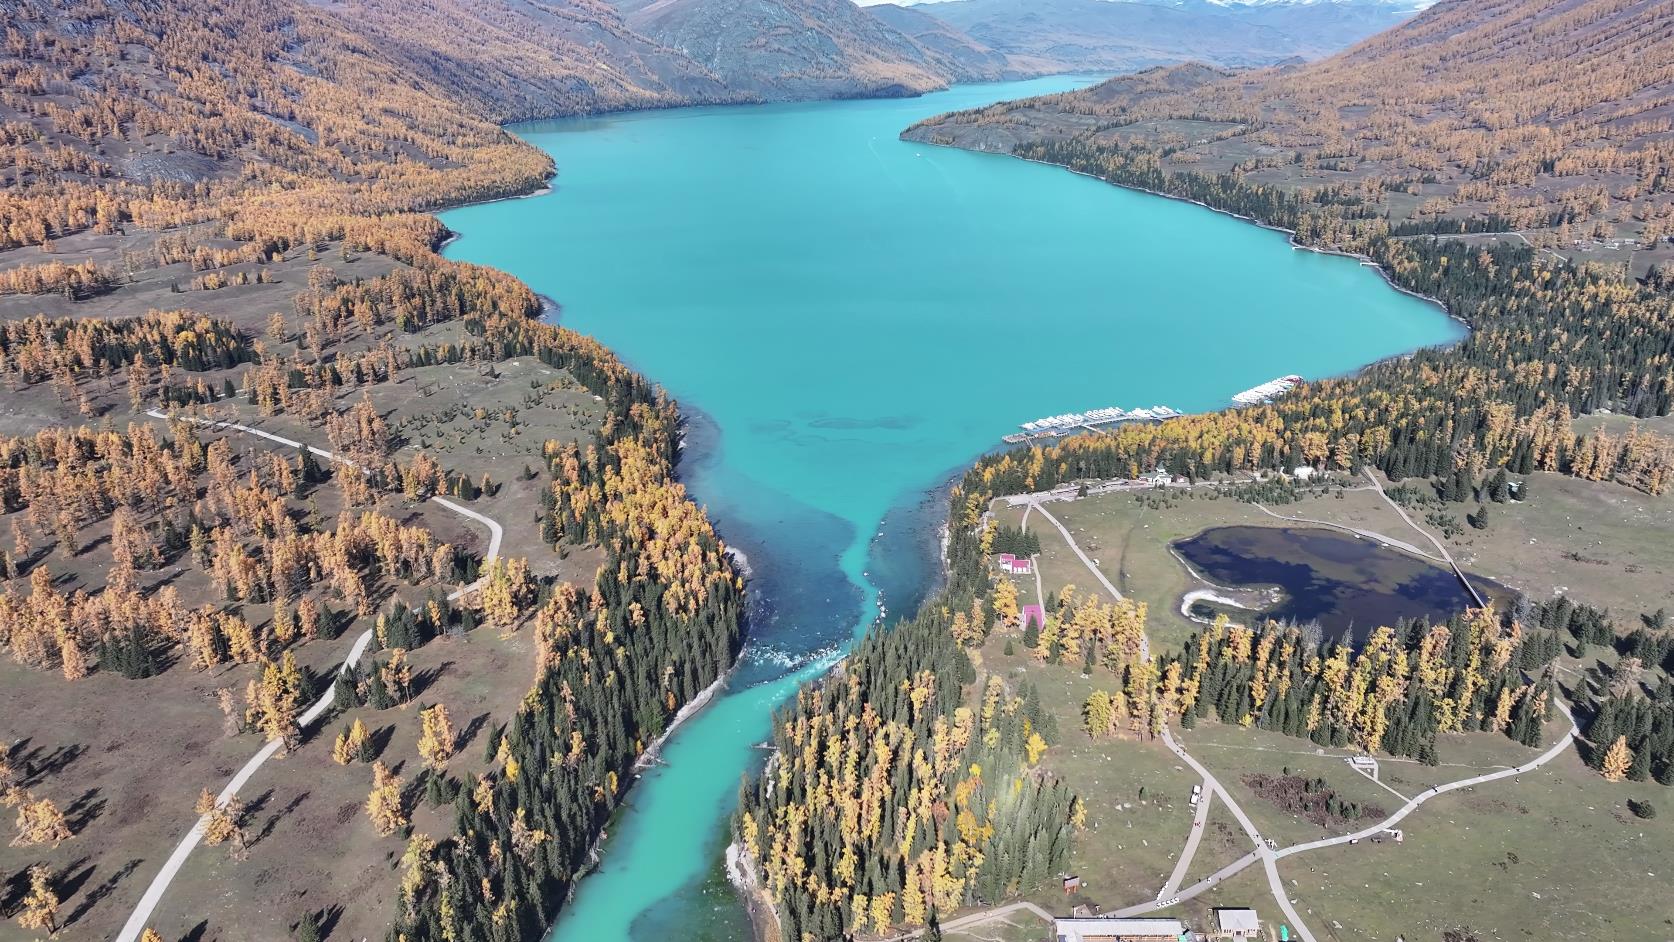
950, 48
515, 59
1490, 114
790, 48
212, 210
1120, 36
1551, 110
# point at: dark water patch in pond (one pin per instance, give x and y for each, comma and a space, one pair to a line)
1346, 584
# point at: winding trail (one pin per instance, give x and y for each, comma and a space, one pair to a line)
1144, 641
1040, 589
1200, 821
1376, 485
1368, 534
1266, 855
135, 926
1270, 857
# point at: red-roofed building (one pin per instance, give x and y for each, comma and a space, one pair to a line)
1033, 613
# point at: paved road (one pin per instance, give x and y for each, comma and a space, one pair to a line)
977, 919
135, 926
1426, 534
1369, 534
1200, 823
1144, 642
1562, 745
1040, 590
1269, 858
1263, 853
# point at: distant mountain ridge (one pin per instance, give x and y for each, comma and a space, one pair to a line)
517, 59
789, 48
1550, 118
1127, 35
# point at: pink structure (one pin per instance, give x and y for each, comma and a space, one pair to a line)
1033, 613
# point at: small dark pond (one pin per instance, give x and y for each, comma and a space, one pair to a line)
1346, 584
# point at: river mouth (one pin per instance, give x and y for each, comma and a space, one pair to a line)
1346, 585
847, 320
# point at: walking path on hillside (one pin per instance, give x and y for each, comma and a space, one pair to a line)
135, 926
1426, 534
1034, 560
1267, 855
1368, 534
1144, 641
977, 919
1200, 822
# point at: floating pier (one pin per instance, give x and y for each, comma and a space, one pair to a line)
1071, 423
1268, 391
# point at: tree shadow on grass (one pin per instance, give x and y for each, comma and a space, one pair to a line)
12, 893
471, 730
423, 679
38, 766
69, 881
84, 810
380, 740
274, 819
329, 918
104, 889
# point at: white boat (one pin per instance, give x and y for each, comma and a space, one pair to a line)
1267, 391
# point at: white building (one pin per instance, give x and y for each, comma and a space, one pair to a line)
1302, 472
1120, 930
1237, 924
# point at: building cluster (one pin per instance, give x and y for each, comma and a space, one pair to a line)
1230, 925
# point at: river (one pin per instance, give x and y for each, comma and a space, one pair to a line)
848, 319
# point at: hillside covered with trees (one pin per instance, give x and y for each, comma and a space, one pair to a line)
1474, 118
264, 170
1551, 118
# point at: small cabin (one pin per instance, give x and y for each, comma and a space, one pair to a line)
1017, 565
1071, 884
1035, 614
1303, 472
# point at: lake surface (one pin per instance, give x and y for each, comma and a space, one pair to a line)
847, 320
1349, 586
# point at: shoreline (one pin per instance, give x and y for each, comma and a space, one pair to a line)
741, 873
750, 892
1290, 234
653, 751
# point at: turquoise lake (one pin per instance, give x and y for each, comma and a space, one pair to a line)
847, 320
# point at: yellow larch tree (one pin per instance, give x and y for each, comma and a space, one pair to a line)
1618, 760
437, 738
384, 804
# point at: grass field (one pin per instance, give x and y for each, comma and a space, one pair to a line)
1224, 841
1129, 535
1550, 855
1603, 544
1020, 926
1136, 792
1231, 752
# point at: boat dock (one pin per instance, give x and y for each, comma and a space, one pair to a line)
1096, 420
1268, 391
